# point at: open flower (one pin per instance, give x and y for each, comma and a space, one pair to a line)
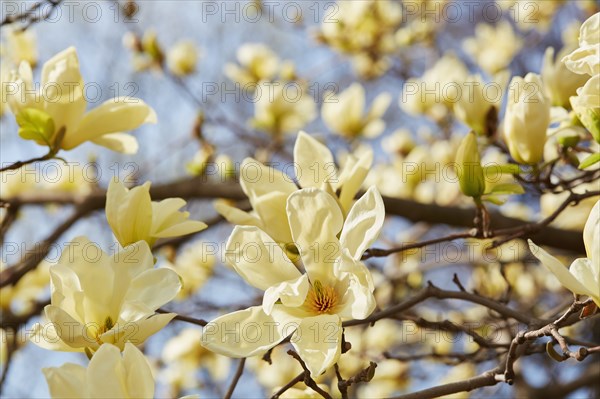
258, 62
55, 115
98, 298
493, 47
268, 189
182, 58
282, 107
133, 216
586, 58
583, 277
330, 284
109, 375
345, 113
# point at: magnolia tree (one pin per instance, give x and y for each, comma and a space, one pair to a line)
377, 199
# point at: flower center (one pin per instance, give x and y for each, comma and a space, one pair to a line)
108, 325
321, 298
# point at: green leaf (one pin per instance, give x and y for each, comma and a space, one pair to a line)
506, 169
35, 124
494, 199
507, 188
589, 161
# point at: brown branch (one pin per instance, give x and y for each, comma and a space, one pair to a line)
431, 291
489, 378
201, 188
236, 378
307, 377
283, 389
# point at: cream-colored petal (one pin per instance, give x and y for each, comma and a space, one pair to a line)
134, 221
236, 216
182, 229
121, 114
45, 336
106, 374
591, 233
318, 342
154, 287
358, 301
119, 142
363, 223
140, 383
563, 274
67, 381
380, 105
248, 332
63, 92
315, 220
71, 331
259, 260
137, 332
291, 293
583, 270
352, 177
314, 162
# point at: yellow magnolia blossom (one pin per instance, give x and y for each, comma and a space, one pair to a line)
560, 82
56, 115
282, 107
268, 189
98, 298
345, 113
133, 216
586, 105
437, 90
479, 102
493, 47
182, 58
109, 374
195, 266
527, 118
183, 355
586, 58
21, 297
583, 277
365, 30
258, 62
330, 283
21, 46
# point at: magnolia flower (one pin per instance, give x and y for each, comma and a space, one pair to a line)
586, 105
133, 216
282, 107
21, 45
268, 189
436, 90
21, 298
183, 355
334, 285
108, 375
527, 118
258, 62
493, 47
345, 114
365, 30
182, 58
98, 298
586, 59
55, 115
195, 266
477, 106
560, 82
583, 277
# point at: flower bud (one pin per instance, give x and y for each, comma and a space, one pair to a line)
470, 172
182, 58
527, 119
